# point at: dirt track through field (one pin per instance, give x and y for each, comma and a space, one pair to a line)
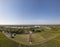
7, 35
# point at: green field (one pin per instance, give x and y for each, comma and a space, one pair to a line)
47, 38
5, 42
54, 42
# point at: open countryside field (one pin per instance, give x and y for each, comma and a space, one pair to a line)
37, 38
5, 42
46, 38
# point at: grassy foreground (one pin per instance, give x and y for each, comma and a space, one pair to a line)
41, 37
55, 42
5, 42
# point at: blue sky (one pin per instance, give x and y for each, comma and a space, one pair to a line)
29, 11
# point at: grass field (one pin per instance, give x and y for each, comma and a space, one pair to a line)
5, 42
55, 42
36, 37
48, 38
43, 39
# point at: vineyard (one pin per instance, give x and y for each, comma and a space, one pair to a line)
44, 36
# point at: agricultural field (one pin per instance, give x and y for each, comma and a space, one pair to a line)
44, 36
